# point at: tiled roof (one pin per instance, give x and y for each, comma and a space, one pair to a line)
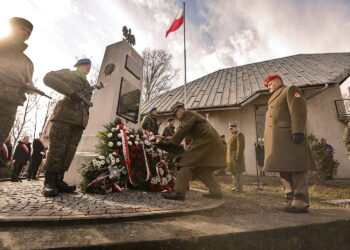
232, 86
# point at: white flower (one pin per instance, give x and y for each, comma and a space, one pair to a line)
101, 157
125, 127
119, 143
117, 127
109, 135
147, 143
94, 163
127, 138
117, 160
136, 142
132, 136
114, 153
102, 162
113, 129
130, 143
155, 180
110, 144
120, 135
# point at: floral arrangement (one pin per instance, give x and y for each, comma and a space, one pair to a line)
127, 159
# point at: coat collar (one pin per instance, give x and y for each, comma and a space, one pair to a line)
276, 93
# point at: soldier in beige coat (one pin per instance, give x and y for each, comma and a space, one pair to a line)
235, 157
202, 157
16, 69
286, 147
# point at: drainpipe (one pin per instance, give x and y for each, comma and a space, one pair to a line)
326, 86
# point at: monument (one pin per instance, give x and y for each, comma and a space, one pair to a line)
121, 76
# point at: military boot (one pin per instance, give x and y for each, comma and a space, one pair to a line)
50, 188
174, 196
62, 186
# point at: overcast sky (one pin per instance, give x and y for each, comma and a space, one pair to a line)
220, 33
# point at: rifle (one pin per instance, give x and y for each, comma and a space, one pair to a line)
23, 85
81, 94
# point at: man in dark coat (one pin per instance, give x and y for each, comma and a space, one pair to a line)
69, 119
21, 158
235, 157
169, 130
202, 157
37, 157
286, 148
16, 69
149, 122
6, 153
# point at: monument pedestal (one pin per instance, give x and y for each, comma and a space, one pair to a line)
121, 75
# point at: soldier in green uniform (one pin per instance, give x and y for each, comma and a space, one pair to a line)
16, 69
235, 157
346, 137
69, 119
169, 130
286, 149
149, 122
202, 157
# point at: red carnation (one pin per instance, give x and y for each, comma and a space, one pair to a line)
157, 158
123, 162
140, 156
121, 126
139, 173
116, 150
132, 148
134, 156
139, 164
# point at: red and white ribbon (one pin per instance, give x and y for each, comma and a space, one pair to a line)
5, 151
126, 153
25, 148
146, 162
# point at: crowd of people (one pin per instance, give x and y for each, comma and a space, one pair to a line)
26, 155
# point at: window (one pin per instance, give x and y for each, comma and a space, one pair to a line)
129, 101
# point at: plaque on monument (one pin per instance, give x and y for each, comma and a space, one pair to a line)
129, 101
133, 67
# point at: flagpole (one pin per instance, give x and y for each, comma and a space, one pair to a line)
185, 80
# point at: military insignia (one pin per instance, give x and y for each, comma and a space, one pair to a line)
297, 95
109, 69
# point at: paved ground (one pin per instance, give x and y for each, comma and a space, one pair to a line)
24, 199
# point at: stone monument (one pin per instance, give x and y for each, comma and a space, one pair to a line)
121, 75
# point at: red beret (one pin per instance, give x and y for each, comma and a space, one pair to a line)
270, 78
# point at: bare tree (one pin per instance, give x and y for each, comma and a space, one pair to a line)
158, 73
48, 108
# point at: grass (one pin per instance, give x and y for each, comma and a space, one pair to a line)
271, 196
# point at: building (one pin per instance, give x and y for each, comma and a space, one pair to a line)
238, 95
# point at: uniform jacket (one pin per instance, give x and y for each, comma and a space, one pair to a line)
235, 153
346, 139
38, 150
67, 82
149, 123
286, 115
5, 153
15, 69
206, 148
21, 156
169, 131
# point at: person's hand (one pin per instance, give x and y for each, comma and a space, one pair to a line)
30, 92
298, 138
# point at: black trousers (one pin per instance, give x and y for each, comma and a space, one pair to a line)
34, 167
16, 171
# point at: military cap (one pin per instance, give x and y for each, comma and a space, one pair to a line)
18, 21
270, 78
170, 119
233, 125
177, 106
151, 109
82, 61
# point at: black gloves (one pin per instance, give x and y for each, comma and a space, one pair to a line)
74, 97
298, 138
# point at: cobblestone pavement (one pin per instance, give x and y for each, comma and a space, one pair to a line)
25, 199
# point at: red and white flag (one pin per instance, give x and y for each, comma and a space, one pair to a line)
179, 20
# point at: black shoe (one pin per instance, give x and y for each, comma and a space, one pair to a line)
213, 196
293, 209
29, 179
174, 196
62, 186
50, 188
35, 178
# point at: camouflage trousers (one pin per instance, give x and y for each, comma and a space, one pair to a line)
7, 118
64, 140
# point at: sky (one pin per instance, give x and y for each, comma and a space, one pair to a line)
219, 33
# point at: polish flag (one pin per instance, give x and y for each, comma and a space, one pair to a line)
179, 20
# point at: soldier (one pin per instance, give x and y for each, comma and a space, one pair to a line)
169, 130
15, 69
149, 122
235, 157
69, 120
346, 137
203, 156
286, 149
